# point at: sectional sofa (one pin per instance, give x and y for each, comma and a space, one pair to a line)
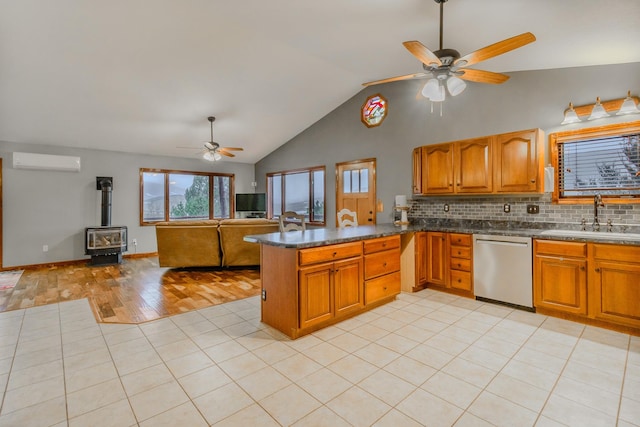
211, 243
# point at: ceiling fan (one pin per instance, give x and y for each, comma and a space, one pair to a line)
212, 151
447, 67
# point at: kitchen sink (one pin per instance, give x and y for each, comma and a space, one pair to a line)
592, 234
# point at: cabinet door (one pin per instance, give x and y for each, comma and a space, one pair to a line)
516, 163
316, 294
417, 170
421, 262
560, 284
437, 250
348, 285
437, 169
473, 166
614, 292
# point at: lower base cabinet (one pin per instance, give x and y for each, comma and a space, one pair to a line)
449, 262
593, 281
304, 290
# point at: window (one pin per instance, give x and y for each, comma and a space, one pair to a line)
300, 191
184, 196
603, 160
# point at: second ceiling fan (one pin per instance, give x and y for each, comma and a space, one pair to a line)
447, 68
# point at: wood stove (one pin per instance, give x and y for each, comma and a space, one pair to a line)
105, 244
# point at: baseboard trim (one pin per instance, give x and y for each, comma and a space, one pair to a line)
72, 262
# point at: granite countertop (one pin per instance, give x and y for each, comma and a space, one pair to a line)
327, 236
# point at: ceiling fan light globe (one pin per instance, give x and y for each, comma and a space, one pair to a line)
455, 85
431, 89
209, 156
216, 156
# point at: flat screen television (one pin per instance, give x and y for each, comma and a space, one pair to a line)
251, 202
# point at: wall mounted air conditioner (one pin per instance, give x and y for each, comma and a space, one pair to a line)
46, 162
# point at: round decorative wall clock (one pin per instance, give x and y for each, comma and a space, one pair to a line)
374, 110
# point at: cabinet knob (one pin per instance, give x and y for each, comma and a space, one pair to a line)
384, 265
582, 269
597, 270
335, 253
459, 252
458, 184
384, 245
533, 181
459, 265
459, 280
384, 288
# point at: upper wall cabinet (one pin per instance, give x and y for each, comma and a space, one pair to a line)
498, 164
519, 162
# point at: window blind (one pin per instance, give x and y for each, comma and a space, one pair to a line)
608, 166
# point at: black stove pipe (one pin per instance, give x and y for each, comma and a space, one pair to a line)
106, 187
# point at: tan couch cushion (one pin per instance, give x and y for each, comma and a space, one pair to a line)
188, 244
237, 252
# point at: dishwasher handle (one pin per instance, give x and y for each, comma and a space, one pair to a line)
502, 243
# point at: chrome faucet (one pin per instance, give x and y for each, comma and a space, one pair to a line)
597, 202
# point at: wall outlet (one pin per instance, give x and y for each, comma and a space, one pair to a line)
45, 248
134, 242
446, 207
506, 208
264, 295
533, 209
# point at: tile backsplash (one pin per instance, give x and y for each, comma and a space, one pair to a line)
492, 208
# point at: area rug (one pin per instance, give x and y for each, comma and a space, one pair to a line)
8, 279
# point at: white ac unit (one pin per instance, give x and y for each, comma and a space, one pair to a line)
46, 162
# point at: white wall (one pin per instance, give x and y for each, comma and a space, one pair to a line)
53, 208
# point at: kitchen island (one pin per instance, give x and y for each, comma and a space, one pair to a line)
319, 277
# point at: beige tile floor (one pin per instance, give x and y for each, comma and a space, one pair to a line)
426, 359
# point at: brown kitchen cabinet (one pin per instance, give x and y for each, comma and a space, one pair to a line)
450, 262
437, 169
437, 258
560, 276
381, 268
495, 164
416, 157
519, 162
614, 284
597, 283
421, 253
310, 288
460, 262
473, 166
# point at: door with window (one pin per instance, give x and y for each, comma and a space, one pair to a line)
356, 189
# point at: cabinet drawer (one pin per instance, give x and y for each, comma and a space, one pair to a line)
381, 263
626, 253
460, 252
460, 239
556, 247
460, 264
329, 253
460, 280
381, 244
381, 287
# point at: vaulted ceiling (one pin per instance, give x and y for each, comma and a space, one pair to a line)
143, 75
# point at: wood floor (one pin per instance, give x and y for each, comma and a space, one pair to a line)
132, 292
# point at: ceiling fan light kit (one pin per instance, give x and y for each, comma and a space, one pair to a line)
599, 110
445, 67
212, 151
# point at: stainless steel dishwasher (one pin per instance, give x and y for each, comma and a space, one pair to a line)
502, 269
